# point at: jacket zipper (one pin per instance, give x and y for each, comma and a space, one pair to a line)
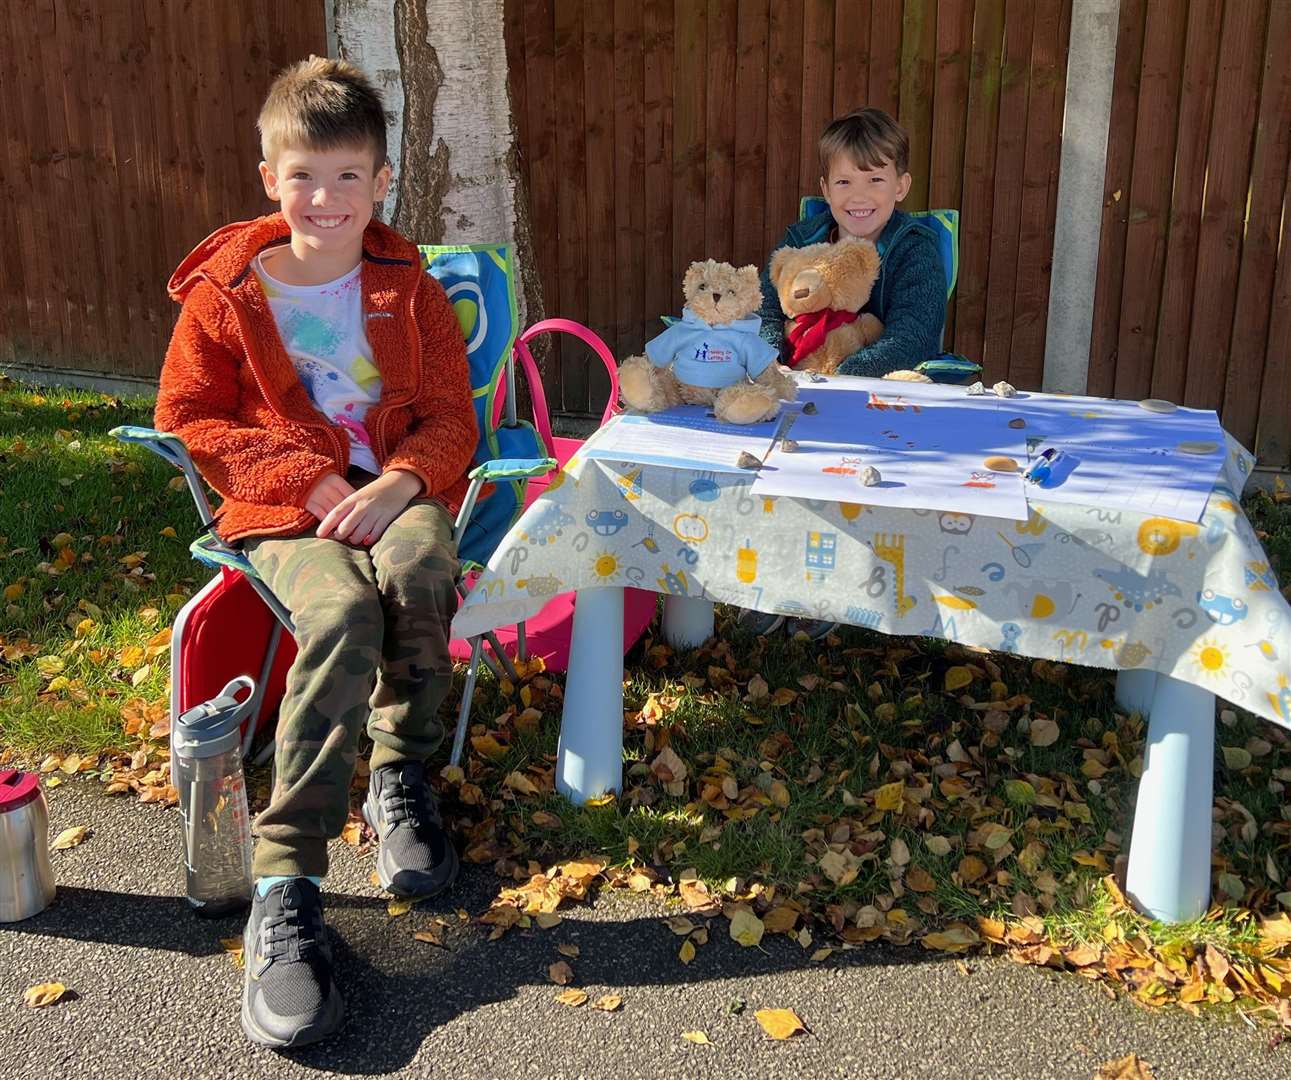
380, 442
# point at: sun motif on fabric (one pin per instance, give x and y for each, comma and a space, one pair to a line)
606, 567
1210, 658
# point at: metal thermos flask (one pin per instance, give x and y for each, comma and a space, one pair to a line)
26, 877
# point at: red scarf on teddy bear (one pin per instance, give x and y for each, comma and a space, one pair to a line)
809, 331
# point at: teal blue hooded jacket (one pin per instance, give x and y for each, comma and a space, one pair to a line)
909, 297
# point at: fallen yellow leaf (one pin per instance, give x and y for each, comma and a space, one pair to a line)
518, 782
890, 796
1044, 732
428, 936
572, 997
400, 905
560, 973
608, 1003
695, 1037
779, 1023
1129, 1067
687, 953
352, 834
69, 838
566, 949
958, 677
746, 928
956, 938
42, 994
233, 946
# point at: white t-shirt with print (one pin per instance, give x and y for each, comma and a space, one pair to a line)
323, 330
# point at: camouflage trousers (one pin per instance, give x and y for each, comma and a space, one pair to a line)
372, 638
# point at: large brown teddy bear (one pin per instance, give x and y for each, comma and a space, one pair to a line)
713, 355
821, 289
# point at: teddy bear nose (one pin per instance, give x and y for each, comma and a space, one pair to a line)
806, 283
717, 297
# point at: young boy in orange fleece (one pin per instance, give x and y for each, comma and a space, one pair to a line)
318, 377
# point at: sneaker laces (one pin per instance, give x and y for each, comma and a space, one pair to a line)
301, 933
406, 797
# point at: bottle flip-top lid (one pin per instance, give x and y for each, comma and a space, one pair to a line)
214, 726
17, 789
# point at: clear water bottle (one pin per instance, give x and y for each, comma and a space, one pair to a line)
206, 768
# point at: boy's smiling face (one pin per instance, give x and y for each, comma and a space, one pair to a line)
326, 198
862, 200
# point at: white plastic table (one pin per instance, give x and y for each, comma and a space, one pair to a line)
1183, 612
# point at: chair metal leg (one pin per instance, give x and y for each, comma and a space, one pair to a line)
468, 692
522, 644
589, 757
270, 655
500, 654
1168, 876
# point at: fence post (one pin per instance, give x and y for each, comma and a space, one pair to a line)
1091, 61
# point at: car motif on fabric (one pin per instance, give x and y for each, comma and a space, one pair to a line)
606, 522
1224, 610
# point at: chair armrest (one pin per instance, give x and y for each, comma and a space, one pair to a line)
171, 448
513, 468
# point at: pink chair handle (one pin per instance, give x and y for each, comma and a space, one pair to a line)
522, 353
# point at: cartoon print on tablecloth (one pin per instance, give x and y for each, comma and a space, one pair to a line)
1126, 654
544, 527
1161, 536
1210, 658
674, 582
705, 487
606, 522
1010, 632
1260, 577
691, 528
863, 616
957, 524
1041, 598
1138, 592
1023, 554
1071, 644
629, 483
940, 576
1224, 610
746, 563
1281, 702
607, 568
543, 586
820, 555
890, 547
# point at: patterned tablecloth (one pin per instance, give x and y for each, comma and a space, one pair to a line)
1077, 584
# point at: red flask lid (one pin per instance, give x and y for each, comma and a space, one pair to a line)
17, 789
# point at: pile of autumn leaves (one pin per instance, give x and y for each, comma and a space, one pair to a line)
928, 791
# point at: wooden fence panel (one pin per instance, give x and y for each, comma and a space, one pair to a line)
730, 101
128, 135
1193, 279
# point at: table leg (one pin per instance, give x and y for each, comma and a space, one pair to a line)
687, 621
589, 756
1134, 690
1168, 876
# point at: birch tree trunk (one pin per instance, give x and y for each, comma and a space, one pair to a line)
442, 68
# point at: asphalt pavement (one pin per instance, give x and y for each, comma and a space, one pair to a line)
156, 995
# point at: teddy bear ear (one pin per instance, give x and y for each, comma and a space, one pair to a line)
694, 274
776, 266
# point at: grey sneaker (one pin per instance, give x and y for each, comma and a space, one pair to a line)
416, 857
815, 629
288, 995
758, 622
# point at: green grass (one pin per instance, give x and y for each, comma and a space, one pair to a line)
878, 713
68, 491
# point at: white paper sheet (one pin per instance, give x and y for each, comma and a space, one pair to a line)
929, 443
686, 437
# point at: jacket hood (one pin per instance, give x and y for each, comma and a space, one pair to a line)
225, 256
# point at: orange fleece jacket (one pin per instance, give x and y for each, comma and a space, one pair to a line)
229, 390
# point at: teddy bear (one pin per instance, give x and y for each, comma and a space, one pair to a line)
713, 354
822, 288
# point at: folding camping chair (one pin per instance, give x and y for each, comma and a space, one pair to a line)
948, 367
234, 625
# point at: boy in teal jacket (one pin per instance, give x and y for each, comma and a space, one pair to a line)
864, 159
863, 162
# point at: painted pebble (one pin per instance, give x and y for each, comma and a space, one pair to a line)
809, 408
870, 476
1003, 389
1017, 422
748, 461
976, 390
1158, 405
789, 446
1001, 464
1198, 447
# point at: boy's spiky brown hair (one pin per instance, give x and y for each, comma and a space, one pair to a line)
869, 137
322, 104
